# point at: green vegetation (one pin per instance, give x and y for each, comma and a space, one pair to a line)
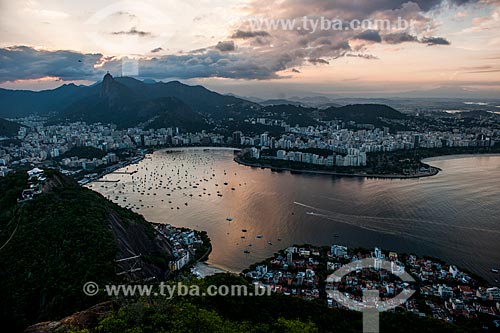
9, 142
249, 314
58, 241
8, 128
204, 250
403, 161
62, 241
11, 188
84, 152
378, 115
291, 114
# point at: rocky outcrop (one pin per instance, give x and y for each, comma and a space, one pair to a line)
84, 319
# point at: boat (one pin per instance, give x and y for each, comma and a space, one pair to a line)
244, 230
269, 242
246, 251
259, 236
229, 219
494, 270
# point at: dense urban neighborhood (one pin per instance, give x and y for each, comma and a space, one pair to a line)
443, 291
82, 149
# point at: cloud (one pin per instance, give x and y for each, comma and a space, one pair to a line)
213, 63
362, 55
24, 63
53, 14
484, 71
345, 9
435, 41
370, 35
240, 34
398, 38
318, 61
133, 32
226, 46
262, 52
125, 14
323, 46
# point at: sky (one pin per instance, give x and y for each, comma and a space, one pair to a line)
263, 48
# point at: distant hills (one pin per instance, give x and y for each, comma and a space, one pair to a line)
292, 114
319, 102
21, 103
128, 102
364, 114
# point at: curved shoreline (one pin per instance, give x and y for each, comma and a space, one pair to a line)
176, 149
457, 156
434, 171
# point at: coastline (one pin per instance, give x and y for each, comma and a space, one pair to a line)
112, 168
238, 160
434, 171
203, 270
457, 156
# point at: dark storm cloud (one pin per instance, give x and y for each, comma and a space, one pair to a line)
322, 45
213, 63
226, 46
435, 41
23, 62
133, 32
370, 35
318, 61
398, 38
358, 8
362, 55
240, 34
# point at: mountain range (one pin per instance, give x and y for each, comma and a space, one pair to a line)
128, 102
